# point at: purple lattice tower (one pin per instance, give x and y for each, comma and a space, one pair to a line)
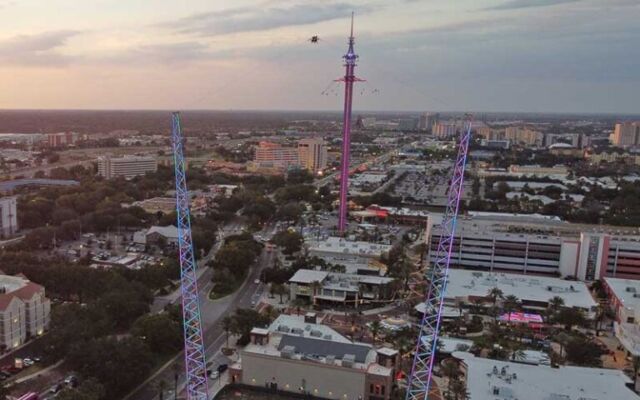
349, 78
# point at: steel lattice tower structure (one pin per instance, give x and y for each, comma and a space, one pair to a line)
420, 378
194, 357
349, 78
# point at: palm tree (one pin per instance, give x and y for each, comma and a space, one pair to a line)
495, 294
556, 303
510, 304
451, 370
636, 370
459, 390
375, 327
227, 324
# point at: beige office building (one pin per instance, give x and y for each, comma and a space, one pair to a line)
312, 154
626, 134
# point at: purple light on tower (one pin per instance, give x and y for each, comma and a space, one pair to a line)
349, 78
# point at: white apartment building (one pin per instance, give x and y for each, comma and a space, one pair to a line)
24, 310
127, 166
8, 216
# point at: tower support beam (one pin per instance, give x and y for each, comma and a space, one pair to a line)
419, 384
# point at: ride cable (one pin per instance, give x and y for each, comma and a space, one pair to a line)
194, 356
419, 383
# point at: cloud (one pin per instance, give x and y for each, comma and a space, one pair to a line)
518, 4
250, 19
39, 49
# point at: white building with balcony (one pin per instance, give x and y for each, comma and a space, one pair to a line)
24, 310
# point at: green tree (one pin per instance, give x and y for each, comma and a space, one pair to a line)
375, 328
278, 289
495, 294
451, 370
160, 332
291, 242
227, 325
129, 362
571, 317
510, 304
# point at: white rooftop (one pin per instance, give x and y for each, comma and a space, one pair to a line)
166, 231
308, 276
450, 345
625, 290
304, 328
464, 283
486, 381
339, 245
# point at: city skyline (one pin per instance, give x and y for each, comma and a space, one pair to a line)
569, 56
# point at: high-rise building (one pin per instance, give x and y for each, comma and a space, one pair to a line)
442, 130
427, 120
274, 156
627, 134
524, 136
312, 154
62, 139
127, 166
8, 216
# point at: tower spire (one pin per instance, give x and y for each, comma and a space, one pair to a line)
351, 36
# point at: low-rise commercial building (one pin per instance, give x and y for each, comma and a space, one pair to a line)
156, 234
337, 250
24, 310
127, 166
624, 299
337, 288
488, 379
307, 358
533, 292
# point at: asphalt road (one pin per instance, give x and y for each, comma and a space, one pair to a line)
212, 312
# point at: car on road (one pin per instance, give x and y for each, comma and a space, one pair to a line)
222, 368
214, 374
257, 281
55, 388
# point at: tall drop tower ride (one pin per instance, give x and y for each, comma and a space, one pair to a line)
349, 78
194, 350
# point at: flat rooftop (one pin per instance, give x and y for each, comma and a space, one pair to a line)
314, 350
295, 325
626, 291
464, 283
499, 380
339, 245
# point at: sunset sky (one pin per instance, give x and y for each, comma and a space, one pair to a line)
476, 55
